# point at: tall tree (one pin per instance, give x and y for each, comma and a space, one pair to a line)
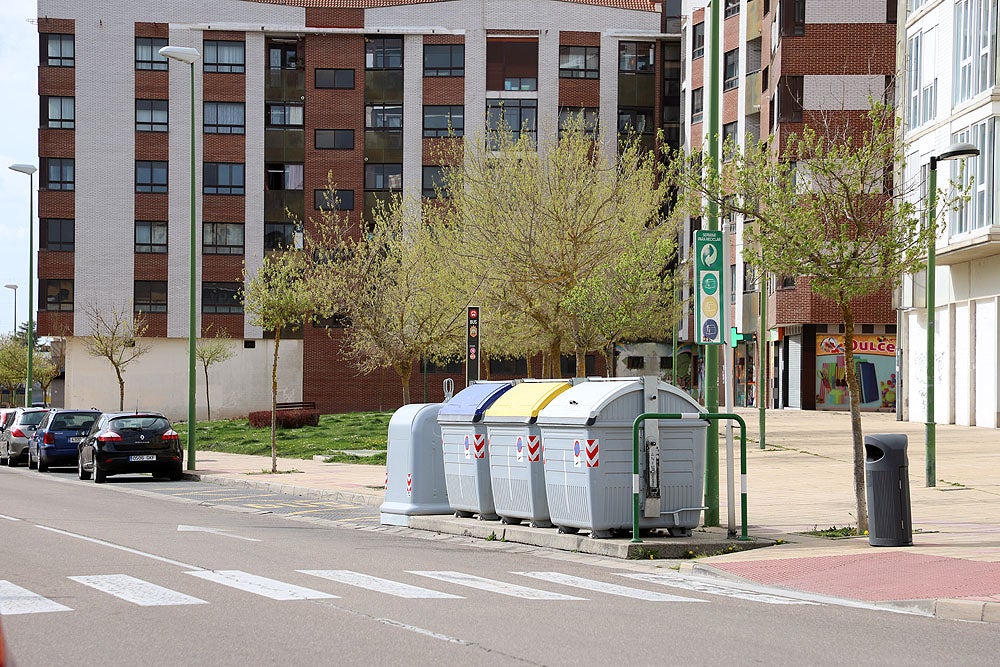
211, 351
13, 363
116, 335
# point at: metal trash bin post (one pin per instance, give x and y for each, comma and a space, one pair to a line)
414, 466
887, 483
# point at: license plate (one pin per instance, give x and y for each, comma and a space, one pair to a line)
74, 439
143, 457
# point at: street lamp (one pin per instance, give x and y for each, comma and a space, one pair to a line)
953, 152
30, 170
12, 286
190, 56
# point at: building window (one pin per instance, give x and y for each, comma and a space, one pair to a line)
698, 41
793, 17
383, 177
340, 200
383, 117
732, 8
790, 99
730, 139
528, 83
444, 60
283, 55
56, 235
697, 104
516, 115
151, 115
579, 62
150, 176
224, 178
921, 79
57, 50
634, 363
335, 78
434, 182
59, 173
147, 53
975, 47
512, 63
225, 118
731, 70
635, 121
787, 282
517, 368
341, 140
150, 296
383, 52
636, 56
151, 236
279, 235
221, 298
283, 176
442, 121
977, 175
571, 115
56, 294
225, 57
283, 114
58, 113
222, 238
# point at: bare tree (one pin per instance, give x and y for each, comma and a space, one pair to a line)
211, 351
116, 335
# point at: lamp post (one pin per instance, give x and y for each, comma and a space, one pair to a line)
190, 56
30, 170
953, 152
12, 286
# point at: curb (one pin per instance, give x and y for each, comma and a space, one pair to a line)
355, 498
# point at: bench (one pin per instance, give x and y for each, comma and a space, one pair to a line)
299, 405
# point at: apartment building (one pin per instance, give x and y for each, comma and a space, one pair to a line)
948, 93
287, 93
787, 64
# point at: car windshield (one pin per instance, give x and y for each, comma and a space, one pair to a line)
140, 423
73, 421
32, 418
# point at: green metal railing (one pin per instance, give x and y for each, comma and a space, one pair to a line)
707, 416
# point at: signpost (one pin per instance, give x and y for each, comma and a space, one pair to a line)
472, 346
709, 298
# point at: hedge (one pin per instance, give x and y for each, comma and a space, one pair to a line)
284, 418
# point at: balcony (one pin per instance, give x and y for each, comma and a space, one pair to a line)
752, 92
277, 201
284, 145
384, 146
284, 84
384, 86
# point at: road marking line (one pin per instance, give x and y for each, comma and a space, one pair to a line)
325, 509
120, 548
136, 591
16, 600
379, 585
269, 588
603, 587
9, 518
224, 532
501, 587
679, 581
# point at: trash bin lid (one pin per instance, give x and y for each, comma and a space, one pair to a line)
582, 403
523, 403
469, 404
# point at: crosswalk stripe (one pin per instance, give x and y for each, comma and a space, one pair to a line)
17, 600
269, 588
603, 587
679, 581
380, 585
136, 591
492, 586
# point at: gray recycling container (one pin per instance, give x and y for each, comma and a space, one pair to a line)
887, 482
466, 449
414, 466
587, 435
516, 470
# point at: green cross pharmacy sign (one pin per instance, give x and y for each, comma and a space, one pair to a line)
709, 302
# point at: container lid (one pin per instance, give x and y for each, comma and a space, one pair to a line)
526, 400
469, 404
583, 403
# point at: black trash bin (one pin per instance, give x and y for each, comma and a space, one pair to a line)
887, 481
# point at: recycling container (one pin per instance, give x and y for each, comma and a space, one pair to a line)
887, 482
466, 451
414, 467
587, 434
515, 442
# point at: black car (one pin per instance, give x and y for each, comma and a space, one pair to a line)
124, 442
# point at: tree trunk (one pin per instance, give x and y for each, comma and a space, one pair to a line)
121, 390
404, 378
855, 394
581, 363
208, 401
274, 402
554, 369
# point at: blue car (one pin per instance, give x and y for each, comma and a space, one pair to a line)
57, 438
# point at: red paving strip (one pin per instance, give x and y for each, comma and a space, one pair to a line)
876, 577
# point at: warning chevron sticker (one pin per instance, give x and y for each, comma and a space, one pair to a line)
479, 444
534, 448
593, 454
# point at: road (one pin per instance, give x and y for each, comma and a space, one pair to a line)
161, 573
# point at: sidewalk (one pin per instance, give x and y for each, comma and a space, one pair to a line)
803, 480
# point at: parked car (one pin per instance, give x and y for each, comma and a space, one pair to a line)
123, 442
57, 438
14, 439
5, 415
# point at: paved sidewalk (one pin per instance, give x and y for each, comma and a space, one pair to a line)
801, 481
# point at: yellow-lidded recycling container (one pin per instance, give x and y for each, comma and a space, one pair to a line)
517, 470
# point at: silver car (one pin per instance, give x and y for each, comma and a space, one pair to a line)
14, 439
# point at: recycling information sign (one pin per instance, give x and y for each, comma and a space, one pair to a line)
708, 287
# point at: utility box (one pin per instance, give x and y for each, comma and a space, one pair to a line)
414, 466
516, 470
466, 449
587, 435
887, 482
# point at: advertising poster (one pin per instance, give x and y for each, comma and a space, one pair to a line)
875, 363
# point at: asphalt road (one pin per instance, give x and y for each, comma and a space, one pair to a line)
193, 574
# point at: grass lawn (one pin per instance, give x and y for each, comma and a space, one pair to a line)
356, 430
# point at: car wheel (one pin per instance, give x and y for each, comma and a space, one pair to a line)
41, 465
176, 473
31, 461
100, 477
11, 459
3, 459
81, 473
